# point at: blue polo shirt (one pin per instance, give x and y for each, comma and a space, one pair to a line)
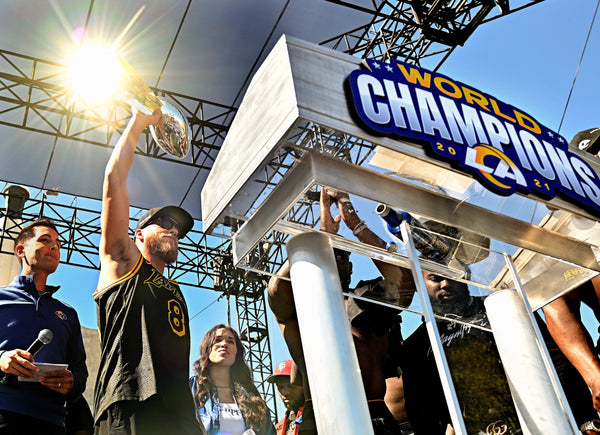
24, 312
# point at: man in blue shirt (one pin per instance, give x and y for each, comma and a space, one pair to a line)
27, 306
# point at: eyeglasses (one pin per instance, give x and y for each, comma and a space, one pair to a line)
168, 223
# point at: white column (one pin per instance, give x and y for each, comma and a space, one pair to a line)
336, 386
537, 401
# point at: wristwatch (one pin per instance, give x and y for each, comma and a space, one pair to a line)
593, 425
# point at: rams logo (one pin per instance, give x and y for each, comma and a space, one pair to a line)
495, 167
61, 315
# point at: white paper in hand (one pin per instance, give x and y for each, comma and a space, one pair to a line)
44, 367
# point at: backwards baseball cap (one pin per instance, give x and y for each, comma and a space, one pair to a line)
284, 368
588, 140
182, 217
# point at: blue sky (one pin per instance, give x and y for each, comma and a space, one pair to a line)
528, 60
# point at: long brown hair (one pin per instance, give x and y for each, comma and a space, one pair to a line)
251, 404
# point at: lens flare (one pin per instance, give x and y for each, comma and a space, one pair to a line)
78, 35
95, 74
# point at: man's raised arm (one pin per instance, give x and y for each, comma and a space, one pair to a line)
117, 251
400, 277
281, 301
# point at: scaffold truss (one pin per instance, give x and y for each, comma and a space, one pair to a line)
204, 262
34, 97
413, 31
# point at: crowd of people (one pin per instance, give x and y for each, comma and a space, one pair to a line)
144, 386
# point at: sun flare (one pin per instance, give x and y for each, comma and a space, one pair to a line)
95, 74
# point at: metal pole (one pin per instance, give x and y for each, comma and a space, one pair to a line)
541, 344
337, 391
433, 333
228, 312
533, 388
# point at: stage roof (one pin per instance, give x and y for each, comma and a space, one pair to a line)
208, 49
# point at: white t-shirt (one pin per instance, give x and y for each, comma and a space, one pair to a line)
231, 421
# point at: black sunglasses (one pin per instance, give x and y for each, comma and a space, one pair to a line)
168, 223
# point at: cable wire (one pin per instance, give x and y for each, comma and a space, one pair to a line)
578, 66
248, 76
262, 50
204, 309
173, 43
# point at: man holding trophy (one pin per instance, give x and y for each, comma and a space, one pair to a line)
142, 384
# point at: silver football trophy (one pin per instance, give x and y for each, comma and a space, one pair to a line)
172, 133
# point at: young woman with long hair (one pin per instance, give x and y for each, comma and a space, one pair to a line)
226, 399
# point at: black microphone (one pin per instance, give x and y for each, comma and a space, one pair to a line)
44, 337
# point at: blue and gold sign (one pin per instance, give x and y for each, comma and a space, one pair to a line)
502, 146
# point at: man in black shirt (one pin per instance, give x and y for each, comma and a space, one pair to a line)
142, 384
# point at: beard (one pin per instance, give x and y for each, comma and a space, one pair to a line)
457, 307
162, 249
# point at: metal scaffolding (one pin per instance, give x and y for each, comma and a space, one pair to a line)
33, 97
204, 262
412, 31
